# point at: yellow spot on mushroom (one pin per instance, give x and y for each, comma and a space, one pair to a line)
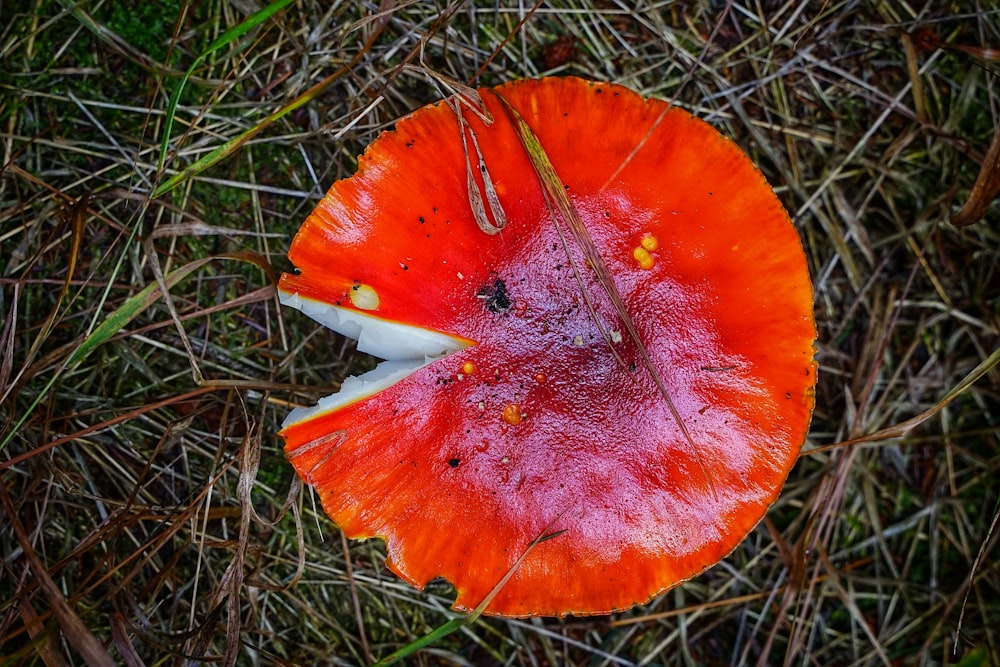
541, 378
468, 368
364, 297
649, 242
512, 414
642, 256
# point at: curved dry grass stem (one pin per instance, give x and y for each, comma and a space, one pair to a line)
563, 213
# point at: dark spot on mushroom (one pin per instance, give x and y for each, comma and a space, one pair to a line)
454, 463
788, 395
422, 221
494, 296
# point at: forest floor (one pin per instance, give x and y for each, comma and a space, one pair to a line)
149, 515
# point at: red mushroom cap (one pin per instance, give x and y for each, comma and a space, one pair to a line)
541, 418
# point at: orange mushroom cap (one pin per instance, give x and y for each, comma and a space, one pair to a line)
540, 419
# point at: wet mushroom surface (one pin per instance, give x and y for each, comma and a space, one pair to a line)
515, 404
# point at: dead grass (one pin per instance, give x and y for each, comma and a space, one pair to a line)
149, 515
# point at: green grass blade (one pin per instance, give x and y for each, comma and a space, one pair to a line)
125, 313
456, 623
221, 152
228, 147
428, 639
231, 35
118, 320
129, 310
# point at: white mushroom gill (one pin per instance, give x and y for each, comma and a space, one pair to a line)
405, 348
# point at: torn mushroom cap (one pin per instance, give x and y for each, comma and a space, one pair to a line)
516, 412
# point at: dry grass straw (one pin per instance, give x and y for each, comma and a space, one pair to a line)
149, 516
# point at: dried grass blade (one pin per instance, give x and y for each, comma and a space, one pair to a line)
544, 537
46, 643
984, 190
352, 586
499, 221
851, 605
976, 565
7, 345
561, 207
72, 626
154, 264
77, 218
124, 314
121, 641
459, 93
78, 223
902, 428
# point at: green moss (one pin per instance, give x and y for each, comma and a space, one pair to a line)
148, 26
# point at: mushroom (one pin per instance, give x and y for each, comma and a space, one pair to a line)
514, 404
